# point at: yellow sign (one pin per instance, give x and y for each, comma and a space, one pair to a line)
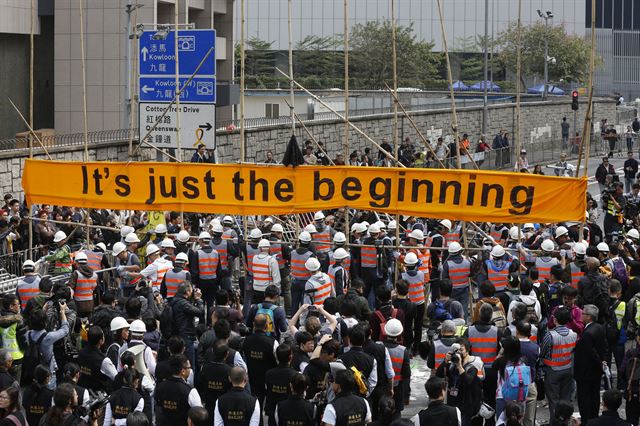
251, 190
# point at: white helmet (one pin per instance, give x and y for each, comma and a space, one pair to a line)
305, 237
354, 227
446, 223
560, 231
454, 247
277, 228
580, 249
102, 246
81, 257
361, 228
603, 247
268, 219
167, 243
311, 228
28, 264
514, 232
528, 226
365, 223
264, 243
217, 228
547, 245
255, 234
131, 238
340, 254
392, 225
118, 248
339, 237
227, 220
393, 328
497, 251
417, 234
318, 216
182, 257
118, 323
138, 327
183, 236
411, 259
152, 249
633, 233
126, 230
312, 264
381, 224
59, 236
161, 228
374, 229
204, 235
215, 221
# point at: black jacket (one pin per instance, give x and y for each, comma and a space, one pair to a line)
608, 418
591, 350
183, 314
592, 290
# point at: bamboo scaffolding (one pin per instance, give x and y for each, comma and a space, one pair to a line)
133, 81
242, 90
176, 19
518, 73
31, 86
308, 132
31, 131
291, 86
394, 50
346, 82
84, 106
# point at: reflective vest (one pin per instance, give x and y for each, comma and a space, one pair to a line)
173, 279
94, 259
369, 257
619, 312
440, 351
276, 250
85, 286
496, 233
223, 254
63, 265
298, 271
333, 268
576, 274
251, 251
534, 332
397, 359
229, 234
10, 341
208, 264
346, 262
261, 272
484, 345
459, 272
544, 264
453, 235
28, 287
322, 238
562, 350
498, 277
319, 288
416, 286
163, 266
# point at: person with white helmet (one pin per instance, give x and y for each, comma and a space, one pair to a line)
575, 269
168, 249
249, 250
499, 233
400, 361
28, 285
156, 268
498, 267
61, 257
454, 234
83, 282
318, 287
182, 242
119, 329
133, 242
175, 277
137, 329
374, 263
436, 239
265, 271
457, 269
340, 242
126, 263
227, 251
228, 231
546, 260
204, 265
299, 273
416, 239
416, 292
160, 233
96, 259
322, 240
282, 253
338, 272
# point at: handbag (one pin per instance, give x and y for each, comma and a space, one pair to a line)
486, 411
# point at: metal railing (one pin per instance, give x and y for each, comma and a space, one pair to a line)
12, 262
73, 139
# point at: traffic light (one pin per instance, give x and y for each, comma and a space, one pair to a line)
574, 100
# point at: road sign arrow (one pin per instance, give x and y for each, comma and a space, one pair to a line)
147, 89
144, 52
207, 126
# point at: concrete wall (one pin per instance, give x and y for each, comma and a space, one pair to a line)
14, 84
540, 125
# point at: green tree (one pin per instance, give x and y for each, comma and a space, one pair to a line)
259, 60
371, 56
572, 52
317, 56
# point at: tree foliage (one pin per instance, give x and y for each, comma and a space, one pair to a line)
572, 52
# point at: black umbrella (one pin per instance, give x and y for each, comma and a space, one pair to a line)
293, 154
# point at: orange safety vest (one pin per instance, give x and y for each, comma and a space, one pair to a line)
544, 267
163, 268
440, 351
27, 290
416, 286
173, 280
85, 287
223, 254
459, 273
94, 259
208, 264
322, 289
484, 345
276, 250
322, 240
261, 273
499, 278
298, 270
369, 257
562, 350
576, 274
397, 359
496, 233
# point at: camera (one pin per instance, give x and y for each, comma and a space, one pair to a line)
455, 356
97, 401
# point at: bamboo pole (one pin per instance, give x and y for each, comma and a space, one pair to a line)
31, 85
242, 65
292, 105
394, 57
308, 132
340, 116
84, 83
177, 61
346, 86
132, 85
31, 131
518, 73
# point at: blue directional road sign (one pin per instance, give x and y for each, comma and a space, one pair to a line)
162, 89
157, 56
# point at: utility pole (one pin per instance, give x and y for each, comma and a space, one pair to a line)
546, 16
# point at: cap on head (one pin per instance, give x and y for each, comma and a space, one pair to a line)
183, 236
634, 234
59, 236
227, 220
167, 243
161, 228
339, 237
118, 323
28, 265
361, 228
255, 234
152, 249
393, 328
118, 248
312, 264
514, 232
392, 225
268, 219
81, 257
277, 228
381, 224
126, 230
340, 254
131, 238
304, 237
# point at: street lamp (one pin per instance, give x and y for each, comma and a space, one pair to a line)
546, 16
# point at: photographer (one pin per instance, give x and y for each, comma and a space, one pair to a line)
613, 204
464, 374
632, 204
65, 402
186, 306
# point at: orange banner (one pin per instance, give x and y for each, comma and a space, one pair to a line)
262, 190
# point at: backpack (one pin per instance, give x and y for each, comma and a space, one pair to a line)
441, 313
166, 321
620, 272
268, 313
515, 386
532, 315
555, 294
497, 317
361, 383
383, 322
32, 358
